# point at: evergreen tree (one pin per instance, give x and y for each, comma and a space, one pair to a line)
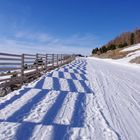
94, 51
132, 38
125, 44
111, 47
104, 49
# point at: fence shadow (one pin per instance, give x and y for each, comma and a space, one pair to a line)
26, 129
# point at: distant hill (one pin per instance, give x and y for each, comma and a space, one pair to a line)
129, 54
121, 41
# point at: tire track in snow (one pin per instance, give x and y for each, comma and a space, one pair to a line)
118, 96
127, 99
107, 130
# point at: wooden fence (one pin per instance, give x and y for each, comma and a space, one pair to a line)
17, 69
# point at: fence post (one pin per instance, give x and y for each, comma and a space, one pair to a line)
57, 60
73, 56
46, 62
53, 60
22, 68
36, 63
61, 59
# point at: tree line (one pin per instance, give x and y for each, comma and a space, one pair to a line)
125, 39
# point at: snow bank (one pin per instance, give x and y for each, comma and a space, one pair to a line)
131, 48
121, 62
129, 57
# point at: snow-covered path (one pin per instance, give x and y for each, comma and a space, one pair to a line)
88, 99
117, 89
51, 108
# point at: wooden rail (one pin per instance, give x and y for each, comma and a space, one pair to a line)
18, 69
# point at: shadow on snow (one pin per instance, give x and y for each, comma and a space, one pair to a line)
26, 129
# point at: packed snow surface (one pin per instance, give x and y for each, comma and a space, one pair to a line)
88, 99
117, 93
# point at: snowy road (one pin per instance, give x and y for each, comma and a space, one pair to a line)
117, 88
88, 99
51, 108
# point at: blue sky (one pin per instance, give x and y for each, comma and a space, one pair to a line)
64, 26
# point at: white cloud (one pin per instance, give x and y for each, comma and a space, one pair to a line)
41, 37
27, 42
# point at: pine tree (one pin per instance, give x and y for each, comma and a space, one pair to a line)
132, 38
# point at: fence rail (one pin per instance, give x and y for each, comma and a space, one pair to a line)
18, 69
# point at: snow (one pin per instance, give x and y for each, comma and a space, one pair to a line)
4, 77
117, 95
26, 71
129, 57
132, 48
88, 99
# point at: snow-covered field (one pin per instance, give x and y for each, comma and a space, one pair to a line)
88, 99
131, 55
132, 48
